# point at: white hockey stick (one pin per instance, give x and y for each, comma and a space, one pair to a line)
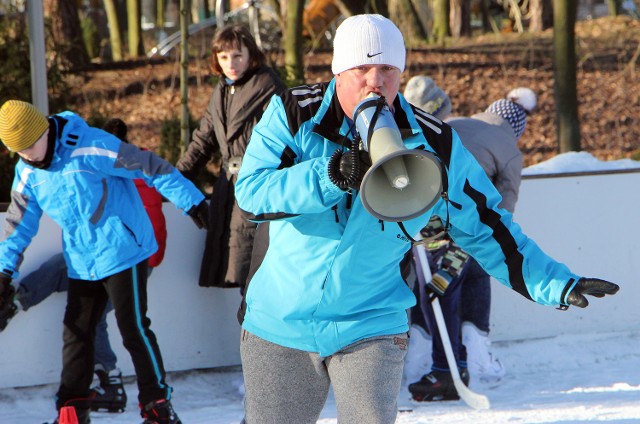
471, 398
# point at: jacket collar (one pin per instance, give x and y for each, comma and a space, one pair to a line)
330, 120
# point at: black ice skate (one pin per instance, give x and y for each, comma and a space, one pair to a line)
109, 394
159, 412
437, 385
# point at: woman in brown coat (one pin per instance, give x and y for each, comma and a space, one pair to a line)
241, 95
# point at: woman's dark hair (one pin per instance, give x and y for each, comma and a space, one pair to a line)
234, 37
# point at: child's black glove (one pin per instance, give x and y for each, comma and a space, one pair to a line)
200, 215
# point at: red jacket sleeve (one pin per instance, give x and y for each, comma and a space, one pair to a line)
152, 201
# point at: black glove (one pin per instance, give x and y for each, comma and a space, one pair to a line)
591, 286
346, 169
7, 307
5, 283
200, 215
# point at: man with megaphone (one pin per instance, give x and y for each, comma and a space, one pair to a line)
326, 301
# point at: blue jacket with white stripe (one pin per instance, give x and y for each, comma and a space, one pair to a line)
88, 190
329, 272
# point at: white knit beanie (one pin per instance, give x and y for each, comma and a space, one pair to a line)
367, 40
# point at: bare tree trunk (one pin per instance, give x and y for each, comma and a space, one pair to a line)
566, 97
134, 28
184, 75
440, 28
402, 13
541, 12
460, 18
293, 61
66, 31
114, 30
486, 19
423, 15
160, 14
614, 7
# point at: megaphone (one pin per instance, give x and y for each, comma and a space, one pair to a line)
401, 183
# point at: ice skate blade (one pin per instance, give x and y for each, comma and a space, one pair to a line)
434, 397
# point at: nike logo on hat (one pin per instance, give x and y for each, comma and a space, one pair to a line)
372, 55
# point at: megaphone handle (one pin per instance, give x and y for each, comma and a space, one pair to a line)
334, 169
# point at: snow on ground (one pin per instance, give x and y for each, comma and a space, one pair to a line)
565, 379
574, 378
578, 162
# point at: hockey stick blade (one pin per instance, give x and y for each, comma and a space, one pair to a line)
471, 398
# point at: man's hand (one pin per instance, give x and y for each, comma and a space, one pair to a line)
362, 165
346, 169
591, 286
200, 215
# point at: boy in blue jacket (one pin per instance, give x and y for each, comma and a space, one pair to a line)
82, 177
326, 304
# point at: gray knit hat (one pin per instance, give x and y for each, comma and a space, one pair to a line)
423, 92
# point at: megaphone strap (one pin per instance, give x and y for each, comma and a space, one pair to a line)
379, 103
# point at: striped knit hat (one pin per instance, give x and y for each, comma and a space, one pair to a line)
519, 102
512, 112
21, 125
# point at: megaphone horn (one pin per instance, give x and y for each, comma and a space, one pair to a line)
401, 183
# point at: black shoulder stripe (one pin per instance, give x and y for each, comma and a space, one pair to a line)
265, 217
437, 133
58, 122
513, 258
287, 158
301, 104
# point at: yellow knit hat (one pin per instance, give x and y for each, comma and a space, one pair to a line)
21, 125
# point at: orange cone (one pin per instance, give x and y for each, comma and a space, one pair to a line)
68, 415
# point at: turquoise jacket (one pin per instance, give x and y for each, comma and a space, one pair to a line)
330, 273
88, 190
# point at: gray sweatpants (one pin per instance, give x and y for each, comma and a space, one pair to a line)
284, 385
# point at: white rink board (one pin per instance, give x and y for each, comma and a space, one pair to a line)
589, 222
196, 326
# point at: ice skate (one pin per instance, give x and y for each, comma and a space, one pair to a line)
437, 385
109, 394
159, 412
484, 367
418, 360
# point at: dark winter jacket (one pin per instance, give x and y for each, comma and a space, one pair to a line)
226, 126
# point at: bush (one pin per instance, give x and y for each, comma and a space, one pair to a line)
15, 68
14, 60
15, 64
